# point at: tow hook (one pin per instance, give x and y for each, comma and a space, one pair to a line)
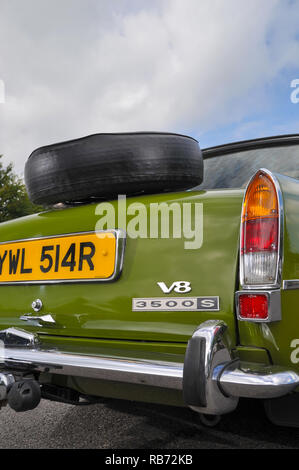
21, 395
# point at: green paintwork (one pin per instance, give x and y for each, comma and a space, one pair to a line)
104, 310
252, 354
153, 351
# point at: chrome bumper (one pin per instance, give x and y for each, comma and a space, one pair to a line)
210, 379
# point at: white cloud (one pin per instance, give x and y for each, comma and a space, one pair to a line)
74, 67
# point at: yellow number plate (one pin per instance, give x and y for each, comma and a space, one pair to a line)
75, 257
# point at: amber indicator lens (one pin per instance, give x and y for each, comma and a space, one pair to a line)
261, 199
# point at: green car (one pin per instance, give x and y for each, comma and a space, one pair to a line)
157, 272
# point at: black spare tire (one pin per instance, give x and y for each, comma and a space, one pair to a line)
101, 166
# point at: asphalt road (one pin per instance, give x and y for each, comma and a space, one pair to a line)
127, 425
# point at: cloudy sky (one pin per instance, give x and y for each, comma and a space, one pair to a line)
219, 70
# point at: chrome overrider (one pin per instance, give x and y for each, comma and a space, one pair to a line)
210, 379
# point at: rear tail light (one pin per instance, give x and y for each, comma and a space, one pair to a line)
260, 258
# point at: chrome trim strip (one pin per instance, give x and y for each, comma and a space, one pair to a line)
120, 236
41, 320
277, 283
274, 305
292, 284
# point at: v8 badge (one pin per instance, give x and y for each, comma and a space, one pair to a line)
181, 287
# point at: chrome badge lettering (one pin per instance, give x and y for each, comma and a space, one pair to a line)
181, 287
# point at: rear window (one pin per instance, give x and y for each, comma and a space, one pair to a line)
234, 170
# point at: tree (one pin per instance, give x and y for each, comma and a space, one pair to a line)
14, 201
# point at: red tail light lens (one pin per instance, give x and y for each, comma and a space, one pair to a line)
253, 306
260, 235
260, 232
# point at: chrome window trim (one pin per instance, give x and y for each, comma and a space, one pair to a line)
287, 140
274, 305
277, 283
120, 236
